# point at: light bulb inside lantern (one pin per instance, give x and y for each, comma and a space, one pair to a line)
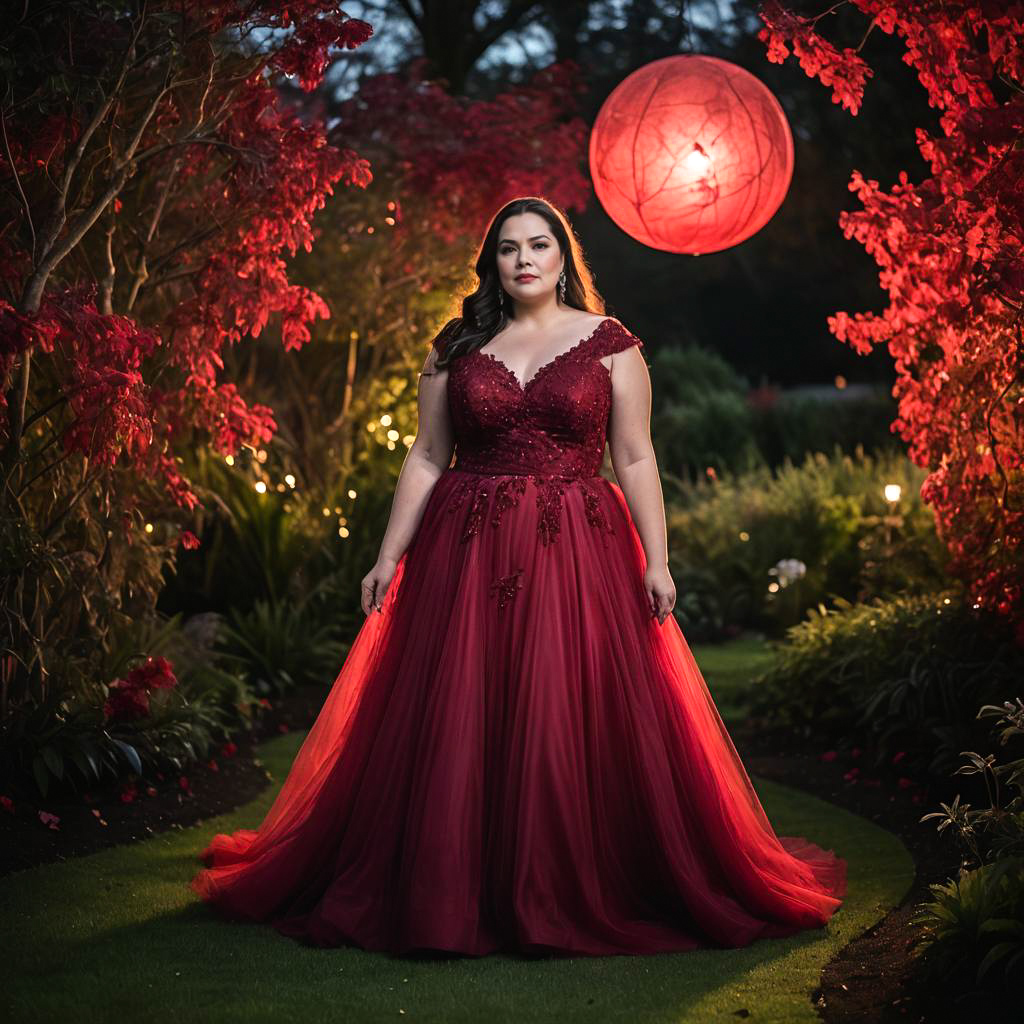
893, 492
697, 162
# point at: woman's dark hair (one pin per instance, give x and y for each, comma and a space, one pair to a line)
482, 313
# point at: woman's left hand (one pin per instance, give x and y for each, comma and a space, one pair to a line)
661, 591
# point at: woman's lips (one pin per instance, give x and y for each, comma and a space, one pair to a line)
526, 277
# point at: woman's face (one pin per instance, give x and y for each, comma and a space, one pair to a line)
529, 260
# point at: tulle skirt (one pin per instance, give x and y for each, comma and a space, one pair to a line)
517, 756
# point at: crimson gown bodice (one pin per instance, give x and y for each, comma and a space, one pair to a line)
554, 426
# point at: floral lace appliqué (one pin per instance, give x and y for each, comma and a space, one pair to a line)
505, 587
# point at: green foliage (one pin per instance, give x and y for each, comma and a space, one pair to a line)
974, 923
65, 739
894, 674
281, 644
977, 919
705, 415
728, 534
793, 425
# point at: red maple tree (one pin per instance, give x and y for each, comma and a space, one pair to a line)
951, 255
170, 164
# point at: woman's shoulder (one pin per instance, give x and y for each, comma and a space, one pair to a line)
611, 335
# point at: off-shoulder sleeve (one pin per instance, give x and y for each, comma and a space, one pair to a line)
615, 338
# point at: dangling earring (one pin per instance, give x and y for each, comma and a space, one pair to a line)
561, 285
501, 298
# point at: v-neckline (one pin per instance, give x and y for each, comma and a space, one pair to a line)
523, 388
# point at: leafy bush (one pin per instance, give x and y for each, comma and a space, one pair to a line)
976, 921
895, 674
728, 536
133, 713
705, 415
279, 645
973, 923
793, 425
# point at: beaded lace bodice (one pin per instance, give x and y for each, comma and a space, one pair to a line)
553, 426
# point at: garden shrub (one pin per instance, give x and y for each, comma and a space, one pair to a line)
795, 424
757, 549
895, 675
705, 415
126, 713
971, 930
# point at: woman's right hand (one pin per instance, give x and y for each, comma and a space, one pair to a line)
375, 584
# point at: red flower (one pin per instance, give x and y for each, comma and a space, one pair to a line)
184, 783
265, 703
153, 674
128, 793
7, 804
49, 819
151, 791
829, 755
189, 540
229, 749
898, 756
125, 701
904, 783
852, 773
214, 767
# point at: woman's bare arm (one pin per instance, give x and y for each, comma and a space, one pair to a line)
428, 457
632, 453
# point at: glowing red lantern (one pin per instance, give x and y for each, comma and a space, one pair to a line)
691, 154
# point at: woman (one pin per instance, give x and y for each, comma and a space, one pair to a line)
519, 752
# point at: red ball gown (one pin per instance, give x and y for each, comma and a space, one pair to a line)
516, 755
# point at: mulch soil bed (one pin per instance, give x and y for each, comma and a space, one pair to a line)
872, 979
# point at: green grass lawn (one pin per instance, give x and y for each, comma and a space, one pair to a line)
728, 668
118, 936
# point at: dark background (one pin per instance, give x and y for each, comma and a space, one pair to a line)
762, 304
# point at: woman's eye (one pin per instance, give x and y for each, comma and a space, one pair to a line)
542, 245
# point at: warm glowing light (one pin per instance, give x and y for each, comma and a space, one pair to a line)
149, 527
372, 425
691, 154
261, 487
893, 492
337, 510
289, 480
327, 511
351, 493
840, 381
280, 487
385, 420
773, 588
697, 162
229, 459
261, 455
393, 435
744, 536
